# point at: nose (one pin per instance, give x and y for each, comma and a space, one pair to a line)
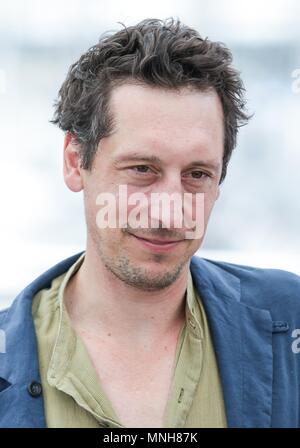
166, 202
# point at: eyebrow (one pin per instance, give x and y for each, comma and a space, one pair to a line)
137, 158
211, 165
154, 159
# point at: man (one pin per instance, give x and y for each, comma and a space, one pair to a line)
136, 331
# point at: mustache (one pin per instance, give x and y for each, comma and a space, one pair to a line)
158, 232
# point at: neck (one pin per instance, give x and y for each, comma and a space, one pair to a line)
102, 305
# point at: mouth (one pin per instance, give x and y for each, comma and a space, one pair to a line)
157, 245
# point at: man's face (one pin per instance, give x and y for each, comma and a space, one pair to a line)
164, 142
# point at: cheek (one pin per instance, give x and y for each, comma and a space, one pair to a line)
202, 207
209, 202
207, 209
97, 198
90, 210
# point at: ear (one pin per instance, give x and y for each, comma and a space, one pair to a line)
72, 171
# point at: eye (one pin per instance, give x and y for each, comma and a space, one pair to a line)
140, 169
197, 174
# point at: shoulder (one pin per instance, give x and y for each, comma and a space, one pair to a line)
263, 275
23, 301
262, 287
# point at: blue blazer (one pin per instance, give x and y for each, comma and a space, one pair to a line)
254, 318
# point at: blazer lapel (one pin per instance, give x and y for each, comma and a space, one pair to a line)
242, 337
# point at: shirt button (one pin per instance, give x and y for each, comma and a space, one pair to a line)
35, 389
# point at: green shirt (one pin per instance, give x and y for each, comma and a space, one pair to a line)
73, 396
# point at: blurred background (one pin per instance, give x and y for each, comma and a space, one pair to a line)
255, 220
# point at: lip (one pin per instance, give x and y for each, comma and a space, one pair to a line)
157, 245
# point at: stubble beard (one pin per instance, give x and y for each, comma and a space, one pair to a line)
133, 275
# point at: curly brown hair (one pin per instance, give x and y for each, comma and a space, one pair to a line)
158, 53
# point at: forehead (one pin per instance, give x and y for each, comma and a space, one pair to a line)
134, 104
165, 120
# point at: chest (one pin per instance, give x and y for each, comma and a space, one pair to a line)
137, 383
